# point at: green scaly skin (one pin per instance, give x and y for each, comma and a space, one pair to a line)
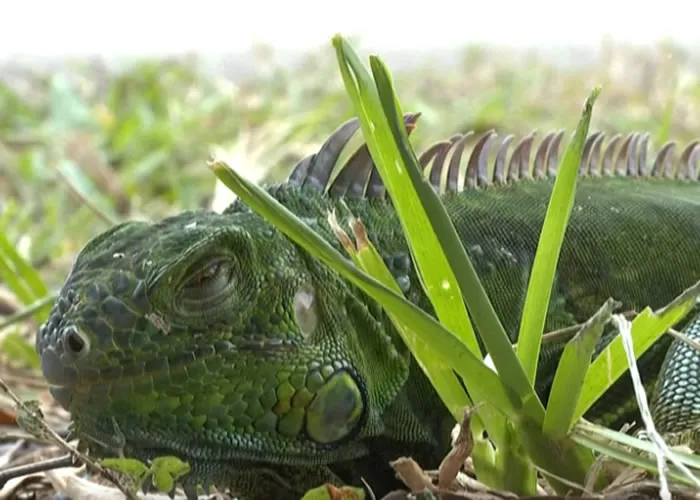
215, 338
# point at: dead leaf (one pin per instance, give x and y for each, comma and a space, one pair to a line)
461, 450
8, 416
412, 475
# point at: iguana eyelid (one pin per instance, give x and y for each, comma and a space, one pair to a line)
201, 267
213, 290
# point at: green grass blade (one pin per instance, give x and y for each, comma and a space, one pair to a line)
33, 287
571, 372
438, 278
16, 348
599, 432
647, 327
612, 444
29, 311
24, 281
14, 281
418, 207
539, 288
641, 462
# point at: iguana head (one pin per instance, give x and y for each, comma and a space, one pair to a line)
213, 335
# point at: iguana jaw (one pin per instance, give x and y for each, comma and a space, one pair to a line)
242, 392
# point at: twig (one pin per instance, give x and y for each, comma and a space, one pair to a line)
46, 428
569, 331
84, 199
684, 338
43, 466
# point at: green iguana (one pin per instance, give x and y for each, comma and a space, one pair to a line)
215, 338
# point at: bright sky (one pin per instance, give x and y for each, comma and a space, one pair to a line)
130, 27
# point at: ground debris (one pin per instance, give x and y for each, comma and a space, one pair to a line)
461, 450
454, 479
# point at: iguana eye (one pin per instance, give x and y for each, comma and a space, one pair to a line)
207, 282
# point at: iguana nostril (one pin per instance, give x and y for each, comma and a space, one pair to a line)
73, 343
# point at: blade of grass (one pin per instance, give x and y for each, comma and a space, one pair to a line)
521, 475
539, 288
399, 168
35, 286
508, 361
15, 282
647, 327
438, 278
599, 432
444, 291
571, 372
630, 458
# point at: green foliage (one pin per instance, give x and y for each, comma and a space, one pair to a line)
19, 275
163, 471
647, 327
525, 436
380, 115
544, 267
571, 372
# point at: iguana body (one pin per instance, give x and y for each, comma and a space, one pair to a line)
215, 338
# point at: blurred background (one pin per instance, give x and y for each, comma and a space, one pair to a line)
111, 110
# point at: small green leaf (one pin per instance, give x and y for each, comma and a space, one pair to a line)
330, 492
544, 267
136, 470
19, 275
31, 419
571, 372
166, 471
647, 327
626, 449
